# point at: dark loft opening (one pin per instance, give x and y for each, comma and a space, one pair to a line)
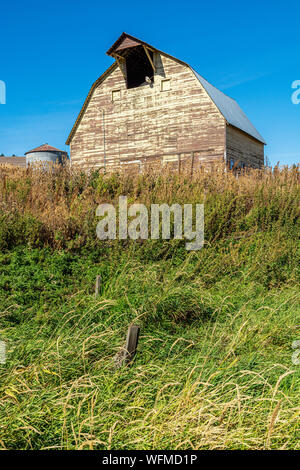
138, 66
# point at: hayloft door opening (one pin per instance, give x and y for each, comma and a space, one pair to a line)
139, 70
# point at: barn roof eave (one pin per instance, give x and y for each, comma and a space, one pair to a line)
246, 133
86, 102
143, 43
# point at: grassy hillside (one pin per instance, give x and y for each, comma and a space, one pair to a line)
213, 368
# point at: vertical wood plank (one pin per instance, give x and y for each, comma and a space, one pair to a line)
131, 343
97, 285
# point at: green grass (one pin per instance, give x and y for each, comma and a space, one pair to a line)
214, 364
213, 368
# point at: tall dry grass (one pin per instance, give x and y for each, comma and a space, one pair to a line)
57, 207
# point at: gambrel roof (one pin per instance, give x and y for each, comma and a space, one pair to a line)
227, 106
230, 109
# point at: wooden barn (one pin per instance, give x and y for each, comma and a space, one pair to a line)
13, 160
149, 108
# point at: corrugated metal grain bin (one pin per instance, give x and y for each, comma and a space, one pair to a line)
45, 154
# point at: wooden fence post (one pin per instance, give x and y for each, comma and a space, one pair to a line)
97, 285
131, 343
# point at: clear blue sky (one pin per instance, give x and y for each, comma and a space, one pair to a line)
51, 53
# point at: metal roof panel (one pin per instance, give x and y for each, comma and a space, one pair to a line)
230, 109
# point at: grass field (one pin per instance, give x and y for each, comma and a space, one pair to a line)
214, 364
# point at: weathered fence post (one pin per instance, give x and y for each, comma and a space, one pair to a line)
131, 343
97, 285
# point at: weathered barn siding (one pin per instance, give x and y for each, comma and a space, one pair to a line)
243, 149
16, 161
147, 125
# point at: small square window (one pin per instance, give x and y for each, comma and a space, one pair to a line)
166, 85
116, 95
